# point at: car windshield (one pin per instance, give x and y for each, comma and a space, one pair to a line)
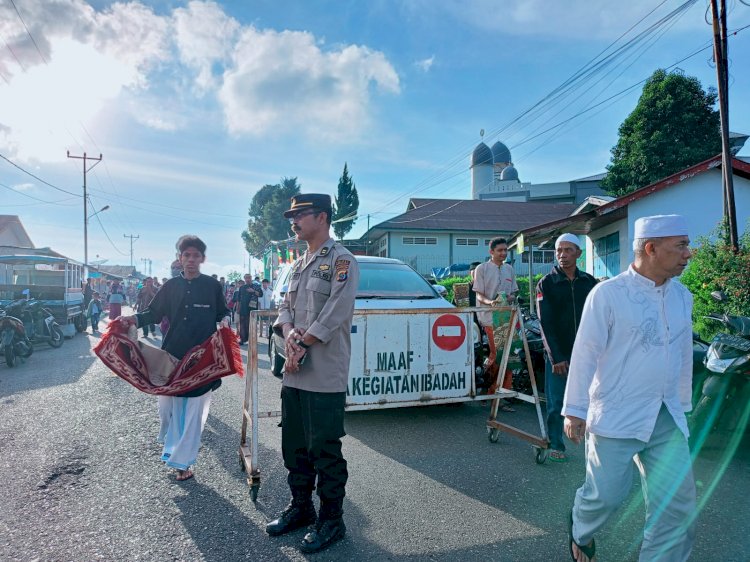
392, 281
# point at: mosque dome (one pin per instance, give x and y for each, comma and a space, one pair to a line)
509, 172
482, 155
500, 152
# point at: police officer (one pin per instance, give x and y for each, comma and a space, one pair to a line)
315, 320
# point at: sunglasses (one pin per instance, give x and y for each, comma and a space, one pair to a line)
302, 214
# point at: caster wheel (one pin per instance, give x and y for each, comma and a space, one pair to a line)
493, 435
254, 492
541, 455
242, 463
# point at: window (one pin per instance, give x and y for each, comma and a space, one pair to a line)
418, 241
540, 256
607, 255
467, 241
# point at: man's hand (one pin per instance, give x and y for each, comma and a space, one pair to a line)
292, 361
561, 368
224, 323
575, 428
128, 320
291, 337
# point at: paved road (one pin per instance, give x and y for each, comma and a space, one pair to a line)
81, 480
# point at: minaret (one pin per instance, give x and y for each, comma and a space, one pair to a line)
482, 178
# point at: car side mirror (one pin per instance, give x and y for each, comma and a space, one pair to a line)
442, 291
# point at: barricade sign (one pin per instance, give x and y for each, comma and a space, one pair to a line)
410, 358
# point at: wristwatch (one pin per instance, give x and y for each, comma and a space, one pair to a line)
302, 344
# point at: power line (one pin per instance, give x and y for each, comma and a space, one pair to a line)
132, 237
9, 161
34, 198
38, 50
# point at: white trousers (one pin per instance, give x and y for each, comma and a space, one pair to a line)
668, 489
181, 424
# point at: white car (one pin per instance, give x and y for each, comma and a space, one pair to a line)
384, 283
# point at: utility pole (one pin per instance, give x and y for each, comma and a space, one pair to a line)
132, 237
145, 263
86, 169
722, 72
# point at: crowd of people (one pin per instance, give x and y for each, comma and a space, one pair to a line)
618, 372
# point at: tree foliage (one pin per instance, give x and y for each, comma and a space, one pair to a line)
266, 213
673, 127
346, 204
715, 267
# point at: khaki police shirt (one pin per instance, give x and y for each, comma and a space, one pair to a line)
320, 301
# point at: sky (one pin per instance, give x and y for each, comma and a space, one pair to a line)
194, 106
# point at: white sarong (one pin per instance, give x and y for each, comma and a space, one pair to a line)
182, 421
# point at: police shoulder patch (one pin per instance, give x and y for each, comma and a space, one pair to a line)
342, 269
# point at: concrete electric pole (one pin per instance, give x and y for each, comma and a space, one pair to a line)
86, 169
132, 237
722, 72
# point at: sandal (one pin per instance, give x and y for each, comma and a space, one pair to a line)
505, 407
557, 456
589, 549
183, 475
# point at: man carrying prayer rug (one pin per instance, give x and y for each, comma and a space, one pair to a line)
193, 303
629, 386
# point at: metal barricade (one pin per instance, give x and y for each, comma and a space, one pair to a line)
434, 366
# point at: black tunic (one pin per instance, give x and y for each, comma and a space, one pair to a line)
193, 308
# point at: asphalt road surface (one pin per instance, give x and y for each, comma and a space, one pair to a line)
81, 479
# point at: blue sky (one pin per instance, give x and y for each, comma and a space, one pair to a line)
196, 105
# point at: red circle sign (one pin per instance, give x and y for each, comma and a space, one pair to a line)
449, 332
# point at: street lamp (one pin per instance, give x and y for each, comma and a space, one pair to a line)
86, 241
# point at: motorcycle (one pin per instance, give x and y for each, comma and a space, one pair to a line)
14, 343
725, 393
38, 322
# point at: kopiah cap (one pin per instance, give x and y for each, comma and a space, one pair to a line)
567, 237
305, 201
660, 226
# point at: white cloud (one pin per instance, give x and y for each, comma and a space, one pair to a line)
283, 81
91, 57
425, 64
156, 67
205, 36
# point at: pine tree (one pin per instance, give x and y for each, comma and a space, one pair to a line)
346, 205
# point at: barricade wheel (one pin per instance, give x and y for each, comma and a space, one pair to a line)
493, 434
254, 492
541, 455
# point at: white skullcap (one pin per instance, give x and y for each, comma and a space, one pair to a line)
660, 226
567, 237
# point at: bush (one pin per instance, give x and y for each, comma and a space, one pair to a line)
714, 267
523, 286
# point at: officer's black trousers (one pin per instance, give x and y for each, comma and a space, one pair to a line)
312, 425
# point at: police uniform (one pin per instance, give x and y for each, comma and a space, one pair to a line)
320, 302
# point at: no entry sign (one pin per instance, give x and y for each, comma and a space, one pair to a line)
448, 332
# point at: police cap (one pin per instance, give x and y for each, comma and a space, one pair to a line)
304, 201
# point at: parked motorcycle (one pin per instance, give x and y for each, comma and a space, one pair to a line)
14, 343
38, 322
725, 394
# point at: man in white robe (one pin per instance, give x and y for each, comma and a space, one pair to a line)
628, 389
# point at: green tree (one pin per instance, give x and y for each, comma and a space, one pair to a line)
715, 267
266, 213
673, 127
346, 205
234, 276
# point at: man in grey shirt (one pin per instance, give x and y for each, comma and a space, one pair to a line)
315, 320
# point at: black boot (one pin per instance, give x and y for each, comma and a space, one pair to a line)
329, 528
299, 513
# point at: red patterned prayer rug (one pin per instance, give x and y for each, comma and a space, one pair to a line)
154, 371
